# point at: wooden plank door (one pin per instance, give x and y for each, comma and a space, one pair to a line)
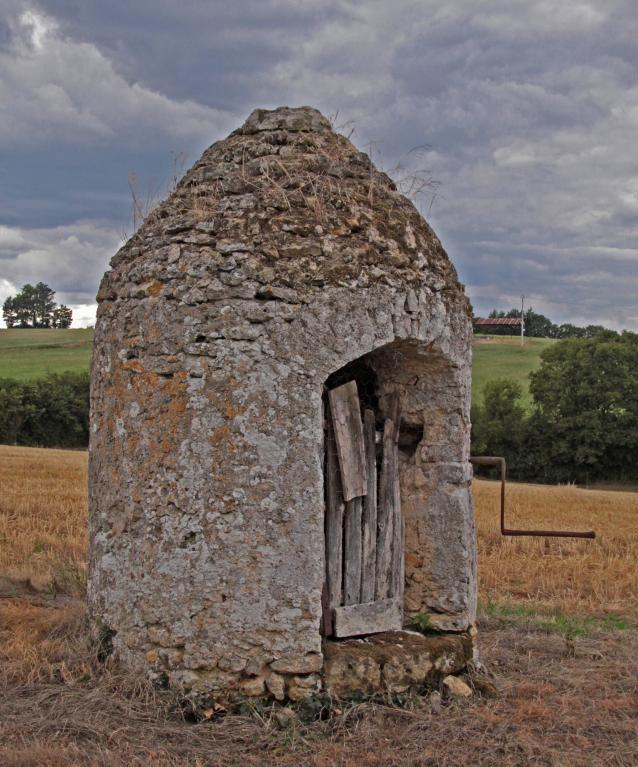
364, 528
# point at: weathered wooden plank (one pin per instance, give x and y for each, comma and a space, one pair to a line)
325, 622
352, 552
387, 510
398, 552
346, 419
398, 557
369, 520
369, 618
333, 528
385, 516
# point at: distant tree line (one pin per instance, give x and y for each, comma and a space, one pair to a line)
49, 412
538, 326
34, 307
583, 425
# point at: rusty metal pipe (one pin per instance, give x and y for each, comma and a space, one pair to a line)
485, 460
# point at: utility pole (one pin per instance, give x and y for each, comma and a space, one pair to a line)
522, 320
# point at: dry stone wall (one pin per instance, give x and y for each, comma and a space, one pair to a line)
282, 255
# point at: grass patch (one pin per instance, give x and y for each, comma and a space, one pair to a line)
29, 353
504, 357
422, 623
554, 621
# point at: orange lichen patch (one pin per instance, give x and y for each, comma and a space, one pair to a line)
154, 333
143, 384
169, 420
175, 387
219, 435
154, 288
164, 418
232, 411
412, 559
135, 365
136, 495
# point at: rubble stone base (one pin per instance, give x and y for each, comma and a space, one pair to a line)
392, 662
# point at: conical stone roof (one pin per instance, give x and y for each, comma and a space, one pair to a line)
284, 203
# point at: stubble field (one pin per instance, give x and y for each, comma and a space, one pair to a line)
558, 633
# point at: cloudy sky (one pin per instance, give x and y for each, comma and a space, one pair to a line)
525, 113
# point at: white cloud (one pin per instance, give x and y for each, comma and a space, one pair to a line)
71, 259
55, 88
530, 17
83, 315
7, 289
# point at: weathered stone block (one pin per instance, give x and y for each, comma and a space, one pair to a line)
456, 688
276, 685
298, 664
253, 687
391, 662
302, 687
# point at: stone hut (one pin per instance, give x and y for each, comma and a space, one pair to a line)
280, 428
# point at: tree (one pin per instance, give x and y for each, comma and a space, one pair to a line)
567, 330
26, 303
9, 313
498, 424
43, 304
48, 412
62, 317
34, 307
538, 325
585, 424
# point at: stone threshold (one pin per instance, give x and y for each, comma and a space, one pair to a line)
392, 662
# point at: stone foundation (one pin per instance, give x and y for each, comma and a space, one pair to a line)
392, 662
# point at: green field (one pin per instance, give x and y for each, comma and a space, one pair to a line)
26, 354
504, 357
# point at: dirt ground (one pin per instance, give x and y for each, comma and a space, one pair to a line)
562, 702
558, 634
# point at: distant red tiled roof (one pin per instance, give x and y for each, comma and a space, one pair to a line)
497, 321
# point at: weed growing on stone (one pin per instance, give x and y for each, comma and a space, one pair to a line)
422, 623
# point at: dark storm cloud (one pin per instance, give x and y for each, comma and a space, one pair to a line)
212, 52
525, 111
